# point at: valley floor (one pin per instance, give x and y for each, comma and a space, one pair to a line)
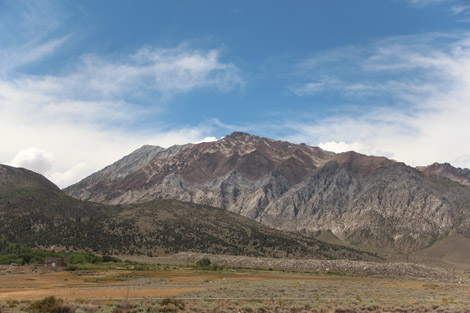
128, 287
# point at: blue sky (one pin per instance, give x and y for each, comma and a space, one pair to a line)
83, 83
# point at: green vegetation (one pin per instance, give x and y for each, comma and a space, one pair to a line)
172, 302
49, 305
203, 263
22, 254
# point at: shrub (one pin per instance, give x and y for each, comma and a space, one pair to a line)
108, 258
71, 268
50, 305
12, 303
203, 263
171, 301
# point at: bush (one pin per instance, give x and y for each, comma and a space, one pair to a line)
171, 301
203, 263
12, 303
50, 305
71, 268
107, 258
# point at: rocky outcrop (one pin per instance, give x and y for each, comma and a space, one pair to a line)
366, 200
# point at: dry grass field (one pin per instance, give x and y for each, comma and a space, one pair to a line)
141, 288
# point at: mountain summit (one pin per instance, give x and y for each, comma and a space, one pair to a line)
366, 200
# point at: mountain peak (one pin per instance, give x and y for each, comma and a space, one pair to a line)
238, 134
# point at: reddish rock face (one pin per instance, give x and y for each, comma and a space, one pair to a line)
253, 157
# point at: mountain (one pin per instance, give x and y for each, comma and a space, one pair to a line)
364, 200
34, 211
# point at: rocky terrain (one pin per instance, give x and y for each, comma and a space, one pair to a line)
367, 201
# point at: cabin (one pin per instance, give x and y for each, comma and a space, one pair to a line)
54, 262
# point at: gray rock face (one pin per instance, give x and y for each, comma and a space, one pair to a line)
369, 201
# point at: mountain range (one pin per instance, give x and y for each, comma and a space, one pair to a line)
365, 201
35, 212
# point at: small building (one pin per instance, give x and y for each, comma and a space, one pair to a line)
54, 262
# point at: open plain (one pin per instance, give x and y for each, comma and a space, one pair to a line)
133, 287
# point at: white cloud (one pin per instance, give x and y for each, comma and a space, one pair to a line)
33, 159
79, 151
207, 139
428, 89
462, 12
83, 118
321, 84
27, 53
459, 9
176, 70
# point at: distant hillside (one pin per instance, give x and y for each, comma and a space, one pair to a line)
34, 211
31, 207
368, 201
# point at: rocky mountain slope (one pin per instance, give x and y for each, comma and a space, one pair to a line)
35, 212
368, 201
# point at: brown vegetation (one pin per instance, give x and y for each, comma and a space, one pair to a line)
165, 288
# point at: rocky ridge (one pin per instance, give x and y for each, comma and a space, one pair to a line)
459, 175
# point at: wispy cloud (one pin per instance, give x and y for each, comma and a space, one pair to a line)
462, 12
319, 85
459, 8
78, 119
424, 3
28, 32
11, 59
426, 81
